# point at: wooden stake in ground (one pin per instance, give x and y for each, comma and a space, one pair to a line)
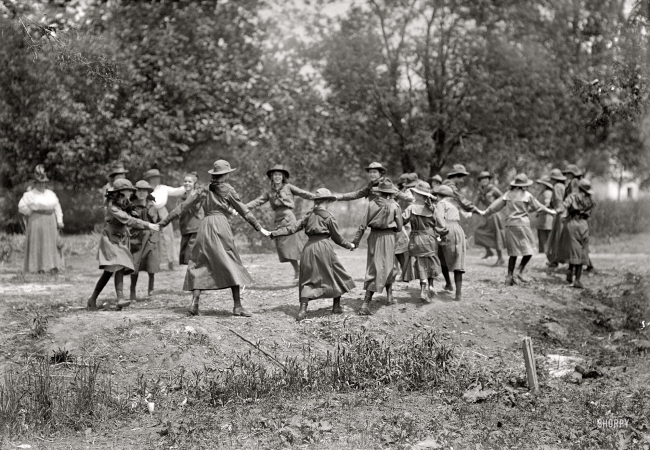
529, 359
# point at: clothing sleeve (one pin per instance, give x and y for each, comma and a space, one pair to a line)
569, 203
175, 192
362, 228
406, 215
58, 212
495, 193
496, 205
441, 223
463, 202
235, 202
127, 219
301, 192
290, 229
258, 201
398, 218
547, 196
335, 234
176, 212
24, 206
405, 196
535, 205
361, 193
194, 198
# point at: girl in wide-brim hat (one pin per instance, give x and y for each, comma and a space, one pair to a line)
517, 203
321, 273
423, 246
544, 220
384, 218
144, 243
281, 197
453, 244
114, 255
215, 262
574, 242
490, 234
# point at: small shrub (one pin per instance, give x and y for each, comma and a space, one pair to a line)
39, 326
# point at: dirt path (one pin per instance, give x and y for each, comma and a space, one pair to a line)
154, 336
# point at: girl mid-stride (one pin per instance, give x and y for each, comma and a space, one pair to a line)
215, 262
321, 273
144, 243
281, 197
114, 254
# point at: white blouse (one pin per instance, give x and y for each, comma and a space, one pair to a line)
162, 193
35, 200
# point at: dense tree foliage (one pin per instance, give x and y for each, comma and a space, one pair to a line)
418, 84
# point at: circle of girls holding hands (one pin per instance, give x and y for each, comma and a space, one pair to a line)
415, 233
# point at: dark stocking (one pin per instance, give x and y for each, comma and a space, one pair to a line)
401, 259
119, 283
445, 273
458, 280
524, 261
134, 282
151, 282
578, 271
235, 296
512, 262
101, 283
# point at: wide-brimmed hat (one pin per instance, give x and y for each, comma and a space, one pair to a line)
436, 178
40, 175
444, 191
585, 185
142, 184
387, 187
122, 185
117, 169
151, 173
521, 180
376, 166
572, 169
220, 167
409, 179
556, 174
458, 169
278, 168
422, 188
546, 183
323, 194
484, 174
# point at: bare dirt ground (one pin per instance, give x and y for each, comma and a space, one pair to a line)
153, 341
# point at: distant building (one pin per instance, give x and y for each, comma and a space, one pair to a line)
612, 190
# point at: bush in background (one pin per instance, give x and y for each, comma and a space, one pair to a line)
613, 218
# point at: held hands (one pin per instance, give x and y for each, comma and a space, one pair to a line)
263, 231
154, 227
59, 225
352, 247
552, 212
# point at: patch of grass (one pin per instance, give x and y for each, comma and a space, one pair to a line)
37, 397
39, 326
613, 218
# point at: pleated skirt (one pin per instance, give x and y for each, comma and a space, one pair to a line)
380, 266
520, 240
453, 250
215, 262
41, 251
321, 273
490, 233
574, 243
289, 248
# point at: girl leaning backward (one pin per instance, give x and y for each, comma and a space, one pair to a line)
321, 273
114, 254
215, 262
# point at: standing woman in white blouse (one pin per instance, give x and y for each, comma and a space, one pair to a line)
43, 209
162, 193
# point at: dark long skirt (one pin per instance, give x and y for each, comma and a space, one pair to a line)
380, 268
114, 253
542, 238
574, 244
215, 262
146, 255
520, 240
553, 242
321, 273
423, 262
289, 247
41, 251
490, 233
453, 248
187, 242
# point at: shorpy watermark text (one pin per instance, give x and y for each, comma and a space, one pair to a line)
612, 423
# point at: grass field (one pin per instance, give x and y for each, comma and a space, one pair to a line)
449, 374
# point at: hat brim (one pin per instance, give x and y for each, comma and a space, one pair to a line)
150, 189
578, 174
451, 174
480, 177
556, 178
42, 180
545, 183
123, 189
117, 172
379, 169
149, 177
221, 172
442, 194
515, 184
588, 191
269, 173
411, 184
388, 191
426, 194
